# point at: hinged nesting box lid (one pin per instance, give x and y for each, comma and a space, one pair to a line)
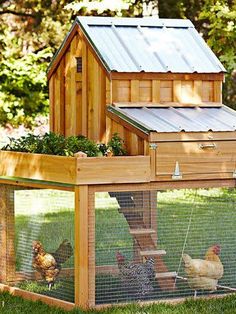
180, 119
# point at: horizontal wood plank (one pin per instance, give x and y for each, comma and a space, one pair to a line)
166, 76
38, 166
196, 160
113, 170
166, 104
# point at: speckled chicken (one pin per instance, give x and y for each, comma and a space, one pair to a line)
49, 264
139, 275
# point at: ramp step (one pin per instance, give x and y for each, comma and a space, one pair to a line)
166, 275
152, 253
141, 231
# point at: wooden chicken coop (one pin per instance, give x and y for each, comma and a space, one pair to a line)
128, 219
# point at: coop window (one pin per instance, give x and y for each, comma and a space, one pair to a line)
79, 64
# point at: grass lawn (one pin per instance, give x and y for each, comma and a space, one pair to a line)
227, 305
198, 218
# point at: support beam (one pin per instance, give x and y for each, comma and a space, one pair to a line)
7, 227
81, 247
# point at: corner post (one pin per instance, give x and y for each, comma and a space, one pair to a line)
83, 271
7, 234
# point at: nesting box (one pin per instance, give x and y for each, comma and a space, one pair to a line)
157, 84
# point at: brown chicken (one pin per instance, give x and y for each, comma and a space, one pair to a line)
138, 275
49, 264
203, 274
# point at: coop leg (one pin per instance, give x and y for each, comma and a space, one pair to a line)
7, 226
81, 246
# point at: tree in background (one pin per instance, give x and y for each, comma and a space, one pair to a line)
32, 30
216, 21
30, 33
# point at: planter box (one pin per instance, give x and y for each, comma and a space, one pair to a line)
71, 170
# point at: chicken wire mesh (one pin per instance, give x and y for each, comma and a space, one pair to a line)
43, 231
142, 236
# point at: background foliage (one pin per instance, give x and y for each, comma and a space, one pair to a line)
32, 30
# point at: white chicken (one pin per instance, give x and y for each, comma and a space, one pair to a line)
203, 274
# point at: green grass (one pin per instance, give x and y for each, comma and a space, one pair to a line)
49, 217
226, 305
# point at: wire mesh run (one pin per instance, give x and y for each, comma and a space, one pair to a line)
152, 245
43, 233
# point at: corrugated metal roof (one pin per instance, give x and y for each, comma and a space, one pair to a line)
149, 45
191, 119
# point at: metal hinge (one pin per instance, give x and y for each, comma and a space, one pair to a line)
153, 146
177, 175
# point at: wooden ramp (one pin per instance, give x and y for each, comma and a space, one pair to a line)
137, 209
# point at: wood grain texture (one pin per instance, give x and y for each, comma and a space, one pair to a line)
218, 91
113, 169
7, 231
38, 167
167, 76
51, 103
81, 247
215, 160
37, 297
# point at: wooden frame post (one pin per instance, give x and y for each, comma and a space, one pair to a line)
7, 233
81, 246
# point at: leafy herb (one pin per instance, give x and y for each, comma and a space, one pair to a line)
53, 144
56, 144
116, 144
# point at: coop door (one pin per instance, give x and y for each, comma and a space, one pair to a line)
142, 236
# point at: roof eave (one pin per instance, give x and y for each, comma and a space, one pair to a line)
84, 28
62, 49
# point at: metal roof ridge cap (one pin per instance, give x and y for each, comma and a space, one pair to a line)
125, 114
133, 21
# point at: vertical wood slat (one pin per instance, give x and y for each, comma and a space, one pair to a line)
59, 101
108, 129
73, 128
177, 93
197, 91
67, 93
51, 104
7, 227
90, 94
152, 153
81, 246
102, 135
217, 91
156, 91
84, 89
134, 90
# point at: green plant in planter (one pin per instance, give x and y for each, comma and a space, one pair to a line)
75, 144
53, 144
116, 145
56, 144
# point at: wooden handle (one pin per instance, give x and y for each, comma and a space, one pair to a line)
205, 146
